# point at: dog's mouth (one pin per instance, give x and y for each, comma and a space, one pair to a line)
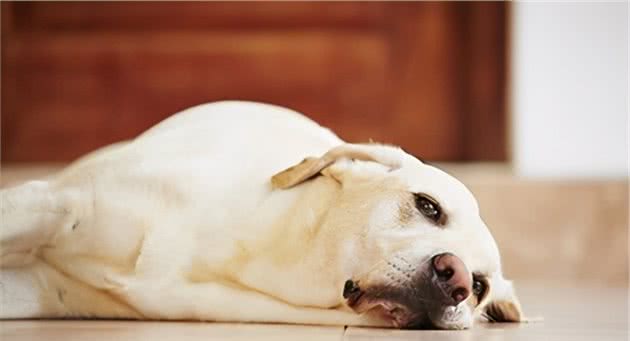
376, 303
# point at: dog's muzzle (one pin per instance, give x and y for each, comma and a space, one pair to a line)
437, 287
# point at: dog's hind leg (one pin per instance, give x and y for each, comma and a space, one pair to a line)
31, 214
38, 290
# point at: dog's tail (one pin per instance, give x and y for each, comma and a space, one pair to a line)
30, 215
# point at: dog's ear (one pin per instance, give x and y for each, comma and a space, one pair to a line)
504, 305
391, 157
503, 311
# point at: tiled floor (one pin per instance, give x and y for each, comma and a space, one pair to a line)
570, 313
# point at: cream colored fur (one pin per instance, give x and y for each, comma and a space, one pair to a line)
183, 223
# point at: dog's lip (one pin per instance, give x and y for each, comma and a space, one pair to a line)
397, 314
353, 295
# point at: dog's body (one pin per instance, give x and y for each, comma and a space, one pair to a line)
184, 223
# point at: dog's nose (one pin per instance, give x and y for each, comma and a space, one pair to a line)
453, 276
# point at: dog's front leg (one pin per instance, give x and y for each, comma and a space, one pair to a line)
216, 301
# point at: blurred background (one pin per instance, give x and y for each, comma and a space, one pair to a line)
428, 76
525, 102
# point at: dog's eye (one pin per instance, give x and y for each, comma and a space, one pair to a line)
478, 288
428, 207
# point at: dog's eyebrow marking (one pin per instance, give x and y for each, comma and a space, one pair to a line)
406, 211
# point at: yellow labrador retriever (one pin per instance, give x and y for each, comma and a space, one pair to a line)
199, 218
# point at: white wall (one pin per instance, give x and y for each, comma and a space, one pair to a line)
569, 91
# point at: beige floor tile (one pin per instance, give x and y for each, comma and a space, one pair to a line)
492, 333
150, 331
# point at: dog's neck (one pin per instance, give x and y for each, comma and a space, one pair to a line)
296, 247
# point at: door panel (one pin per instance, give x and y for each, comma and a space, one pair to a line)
426, 76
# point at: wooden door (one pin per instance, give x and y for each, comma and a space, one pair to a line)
429, 77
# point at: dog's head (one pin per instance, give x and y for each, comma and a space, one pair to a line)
414, 250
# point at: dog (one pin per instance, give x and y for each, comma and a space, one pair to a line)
199, 218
